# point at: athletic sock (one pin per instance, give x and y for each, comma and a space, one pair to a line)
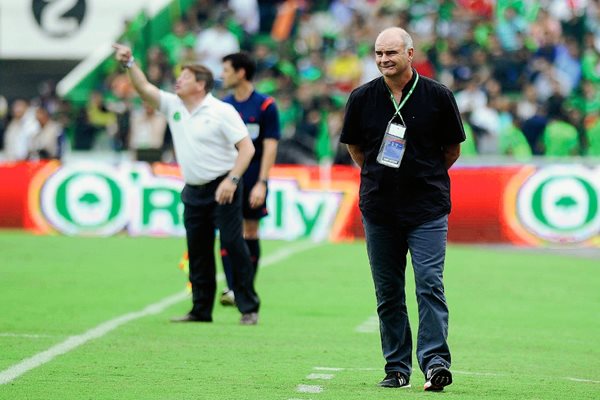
227, 268
254, 247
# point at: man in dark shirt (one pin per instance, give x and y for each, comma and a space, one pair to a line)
404, 131
259, 113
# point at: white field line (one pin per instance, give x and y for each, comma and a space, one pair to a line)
581, 380
309, 389
320, 376
454, 371
370, 325
328, 369
72, 342
286, 252
493, 374
24, 335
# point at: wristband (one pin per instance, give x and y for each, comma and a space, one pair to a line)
129, 62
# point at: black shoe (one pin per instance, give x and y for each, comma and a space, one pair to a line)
395, 380
189, 317
438, 376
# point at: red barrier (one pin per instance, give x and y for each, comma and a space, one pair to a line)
478, 203
524, 204
15, 180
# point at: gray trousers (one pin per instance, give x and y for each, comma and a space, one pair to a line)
387, 248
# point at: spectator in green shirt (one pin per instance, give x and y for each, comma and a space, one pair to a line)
175, 42
588, 101
590, 59
468, 148
512, 142
560, 138
592, 133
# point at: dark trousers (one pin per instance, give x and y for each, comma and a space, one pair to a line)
202, 215
387, 248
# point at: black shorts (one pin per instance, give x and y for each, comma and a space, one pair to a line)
250, 179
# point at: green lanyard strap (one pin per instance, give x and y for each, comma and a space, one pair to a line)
399, 107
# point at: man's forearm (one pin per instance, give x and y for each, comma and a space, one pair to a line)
268, 158
245, 150
148, 92
357, 154
451, 154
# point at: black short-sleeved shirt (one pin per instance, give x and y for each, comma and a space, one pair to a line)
418, 191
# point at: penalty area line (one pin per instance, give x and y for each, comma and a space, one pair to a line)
72, 342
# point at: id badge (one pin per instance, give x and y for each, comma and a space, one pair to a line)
393, 146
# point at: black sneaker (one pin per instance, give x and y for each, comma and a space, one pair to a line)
438, 376
395, 380
189, 317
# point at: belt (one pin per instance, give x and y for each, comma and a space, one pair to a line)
207, 184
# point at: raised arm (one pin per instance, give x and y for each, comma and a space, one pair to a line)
147, 91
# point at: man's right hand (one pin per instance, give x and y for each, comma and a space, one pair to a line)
122, 53
148, 92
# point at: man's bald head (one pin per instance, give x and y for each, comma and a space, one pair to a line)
395, 34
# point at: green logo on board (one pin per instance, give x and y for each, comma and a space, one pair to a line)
561, 204
85, 200
101, 200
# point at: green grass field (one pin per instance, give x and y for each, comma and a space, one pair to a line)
75, 324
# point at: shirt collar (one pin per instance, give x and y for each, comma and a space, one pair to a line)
207, 101
406, 87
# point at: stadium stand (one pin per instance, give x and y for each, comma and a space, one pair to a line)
526, 73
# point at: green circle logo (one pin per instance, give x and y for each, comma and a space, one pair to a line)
177, 116
85, 200
560, 204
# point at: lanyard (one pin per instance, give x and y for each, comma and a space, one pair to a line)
397, 106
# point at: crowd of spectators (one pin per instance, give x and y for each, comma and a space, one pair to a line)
526, 75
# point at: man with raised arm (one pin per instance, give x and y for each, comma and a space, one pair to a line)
213, 150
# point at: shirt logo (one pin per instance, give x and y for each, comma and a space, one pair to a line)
177, 116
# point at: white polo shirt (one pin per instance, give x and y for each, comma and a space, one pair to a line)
205, 138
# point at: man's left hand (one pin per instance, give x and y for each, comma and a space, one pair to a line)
258, 194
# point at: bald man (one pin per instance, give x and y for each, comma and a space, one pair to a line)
404, 132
